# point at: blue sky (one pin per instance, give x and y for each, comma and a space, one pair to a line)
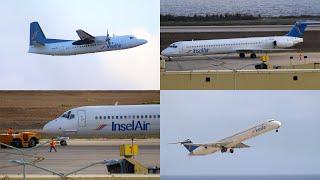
136, 68
208, 116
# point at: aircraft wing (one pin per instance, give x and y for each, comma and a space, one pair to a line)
241, 145
84, 36
261, 50
217, 144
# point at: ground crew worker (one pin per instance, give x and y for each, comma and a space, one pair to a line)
53, 145
10, 130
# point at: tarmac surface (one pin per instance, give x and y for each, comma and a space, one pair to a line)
80, 153
233, 62
181, 29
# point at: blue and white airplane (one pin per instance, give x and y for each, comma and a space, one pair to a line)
232, 142
87, 43
104, 121
251, 45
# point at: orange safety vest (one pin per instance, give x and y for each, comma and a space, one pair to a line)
53, 143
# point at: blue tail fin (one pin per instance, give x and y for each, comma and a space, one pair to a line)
189, 146
298, 29
36, 34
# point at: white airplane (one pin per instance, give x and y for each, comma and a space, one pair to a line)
103, 121
239, 45
232, 142
39, 44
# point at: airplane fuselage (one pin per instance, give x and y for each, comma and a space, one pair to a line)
224, 46
71, 47
104, 121
238, 138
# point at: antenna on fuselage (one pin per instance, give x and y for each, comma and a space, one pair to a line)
116, 104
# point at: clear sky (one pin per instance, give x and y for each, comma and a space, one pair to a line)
207, 116
136, 68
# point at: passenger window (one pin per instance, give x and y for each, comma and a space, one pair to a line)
100, 117
150, 116
129, 117
125, 117
112, 117
96, 117
133, 117
108, 117
141, 116
154, 116
137, 116
146, 116
116, 117
104, 117
120, 117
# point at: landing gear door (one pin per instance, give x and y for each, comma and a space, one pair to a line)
82, 119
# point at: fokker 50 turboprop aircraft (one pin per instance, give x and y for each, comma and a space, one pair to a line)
232, 142
251, 45
103, 121
87, 43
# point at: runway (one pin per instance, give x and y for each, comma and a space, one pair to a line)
80, 153
233, 62
253, 28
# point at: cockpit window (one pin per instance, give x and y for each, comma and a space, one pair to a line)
71, 116
173, 46
270, 120
67, 115
131, 37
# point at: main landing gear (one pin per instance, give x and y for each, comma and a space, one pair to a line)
243, 55
63, 143
231, 151
277, 130
253, 56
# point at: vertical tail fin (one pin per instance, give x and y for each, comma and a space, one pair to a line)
36, 34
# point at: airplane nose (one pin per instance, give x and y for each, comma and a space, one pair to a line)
278, 123
143, 41
164, 52
50, 127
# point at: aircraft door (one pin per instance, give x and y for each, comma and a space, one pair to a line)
82, 118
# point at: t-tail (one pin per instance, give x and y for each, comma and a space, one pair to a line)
188, 145
299, 27
36, 35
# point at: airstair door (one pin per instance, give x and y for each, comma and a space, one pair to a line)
82, 118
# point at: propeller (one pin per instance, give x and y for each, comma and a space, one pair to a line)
108, 38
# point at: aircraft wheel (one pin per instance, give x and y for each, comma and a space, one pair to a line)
231, 151
63, 143
253, 56
277, 130
242, 55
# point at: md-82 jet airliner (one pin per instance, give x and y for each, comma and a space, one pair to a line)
251, 45
103, 121
87, 43
232, 142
